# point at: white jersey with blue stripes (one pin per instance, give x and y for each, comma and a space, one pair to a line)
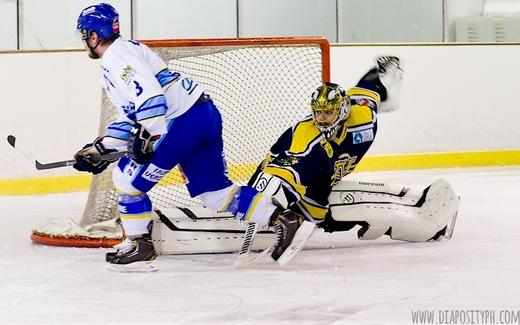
143, 89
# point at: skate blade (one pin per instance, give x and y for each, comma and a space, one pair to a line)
136, 267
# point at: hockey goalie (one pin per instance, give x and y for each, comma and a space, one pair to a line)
302, 176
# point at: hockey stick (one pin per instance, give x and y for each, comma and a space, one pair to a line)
249, 236
243, 257
63, 163
12, 141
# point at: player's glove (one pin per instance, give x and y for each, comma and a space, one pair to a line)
391, 78
140, 145
388, 64
88, 158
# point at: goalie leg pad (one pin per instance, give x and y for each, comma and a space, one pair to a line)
408, 217
198, 230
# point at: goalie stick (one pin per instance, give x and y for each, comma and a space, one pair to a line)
63, 163
244, 257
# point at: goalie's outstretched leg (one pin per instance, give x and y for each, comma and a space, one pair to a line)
443, 206
406, 215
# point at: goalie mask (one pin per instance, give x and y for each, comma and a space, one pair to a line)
330, 105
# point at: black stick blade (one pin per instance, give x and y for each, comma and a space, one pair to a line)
12, 140
52, 165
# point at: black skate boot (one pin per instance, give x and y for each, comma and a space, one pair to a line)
133, 254
110, 255
138, 249
285, 225
134, 249
125, 243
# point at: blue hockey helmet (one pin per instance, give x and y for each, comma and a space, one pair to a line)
101, 18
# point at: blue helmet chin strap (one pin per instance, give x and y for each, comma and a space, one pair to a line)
91, 53
91, 49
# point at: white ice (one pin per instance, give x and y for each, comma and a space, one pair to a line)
355, 282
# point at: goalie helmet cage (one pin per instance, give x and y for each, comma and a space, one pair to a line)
260, 85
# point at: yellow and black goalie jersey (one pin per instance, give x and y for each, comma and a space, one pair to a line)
311, 165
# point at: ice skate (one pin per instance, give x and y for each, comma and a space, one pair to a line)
285, 226
133, 255
110, 255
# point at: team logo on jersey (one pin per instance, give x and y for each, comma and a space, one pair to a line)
128, 74
154, 173
341, 167
363, 136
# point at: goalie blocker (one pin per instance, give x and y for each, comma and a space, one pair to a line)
378, 208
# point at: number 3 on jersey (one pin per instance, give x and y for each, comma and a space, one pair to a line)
138, 88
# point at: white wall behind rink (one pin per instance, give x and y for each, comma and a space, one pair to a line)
454, 98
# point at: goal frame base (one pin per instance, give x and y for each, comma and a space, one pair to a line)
74, 241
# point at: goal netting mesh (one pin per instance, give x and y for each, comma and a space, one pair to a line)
261, 87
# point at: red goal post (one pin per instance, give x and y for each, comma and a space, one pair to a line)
261, 86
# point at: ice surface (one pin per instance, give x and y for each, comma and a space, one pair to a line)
356, 282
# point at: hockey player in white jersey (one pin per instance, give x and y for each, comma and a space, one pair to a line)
165, 119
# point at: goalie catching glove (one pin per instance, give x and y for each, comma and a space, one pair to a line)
140, 145
391, 77
88, 159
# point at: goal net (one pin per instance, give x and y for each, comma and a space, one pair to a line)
261, 86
